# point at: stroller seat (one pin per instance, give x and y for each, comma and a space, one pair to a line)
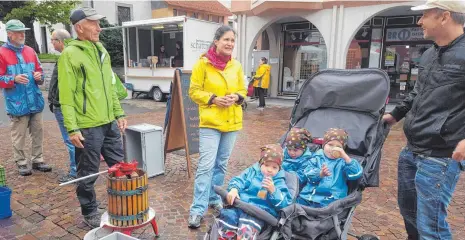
271, 222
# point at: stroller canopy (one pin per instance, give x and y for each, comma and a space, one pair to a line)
363, 90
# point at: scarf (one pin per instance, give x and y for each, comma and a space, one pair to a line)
218, 61
9, 45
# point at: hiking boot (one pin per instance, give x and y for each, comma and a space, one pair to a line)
92, 220
24, 170
41, 167
194, 221
216, 208
66, 178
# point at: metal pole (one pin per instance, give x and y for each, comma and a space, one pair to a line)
83, 178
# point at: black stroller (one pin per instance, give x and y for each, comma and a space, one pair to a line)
354, 100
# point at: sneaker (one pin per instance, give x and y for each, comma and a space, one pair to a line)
92, 220
43, 167
260, 108
24, 170
66, 178
194, 221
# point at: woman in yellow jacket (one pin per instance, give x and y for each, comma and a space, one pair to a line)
217, 86
262, 81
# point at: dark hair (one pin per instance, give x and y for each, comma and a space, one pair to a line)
221, 31
162, 45
264, 60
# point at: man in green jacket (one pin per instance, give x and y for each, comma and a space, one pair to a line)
92, 112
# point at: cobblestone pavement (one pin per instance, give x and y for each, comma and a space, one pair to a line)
42, 210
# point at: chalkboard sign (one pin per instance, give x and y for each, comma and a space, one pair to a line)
191, 114
182, 128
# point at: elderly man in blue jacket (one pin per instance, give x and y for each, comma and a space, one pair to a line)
20, 75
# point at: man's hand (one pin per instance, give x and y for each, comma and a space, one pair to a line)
459, 152
122, 124
76, 140
389, 119
21, 78
325, 171
232, 195
268, 184
38, 76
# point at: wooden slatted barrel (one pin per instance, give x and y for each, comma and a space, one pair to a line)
128, 201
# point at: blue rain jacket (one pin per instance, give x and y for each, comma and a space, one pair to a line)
297, 165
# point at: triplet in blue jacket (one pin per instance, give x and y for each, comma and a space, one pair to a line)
297, 165
323, 191
249, 183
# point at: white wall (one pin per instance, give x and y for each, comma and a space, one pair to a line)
3, 36
140, 10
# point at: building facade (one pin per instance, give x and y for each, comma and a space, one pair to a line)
307, 36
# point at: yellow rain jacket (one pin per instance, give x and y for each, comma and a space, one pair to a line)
206, 80
262, 77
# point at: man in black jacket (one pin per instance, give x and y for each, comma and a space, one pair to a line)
430, 165
58, 41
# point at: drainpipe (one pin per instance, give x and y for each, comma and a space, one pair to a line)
332, 44
339, 46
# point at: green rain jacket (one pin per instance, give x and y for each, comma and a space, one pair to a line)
87, 95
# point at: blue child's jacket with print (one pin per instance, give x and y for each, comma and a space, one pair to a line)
249, 183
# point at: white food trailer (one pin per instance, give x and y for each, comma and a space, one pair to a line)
144, 71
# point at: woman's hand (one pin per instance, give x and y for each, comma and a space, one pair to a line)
221, 102
232, 195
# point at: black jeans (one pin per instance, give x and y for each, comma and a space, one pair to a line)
261, 96
105, 140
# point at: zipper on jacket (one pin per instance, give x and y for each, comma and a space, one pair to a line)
84, 105
100, 60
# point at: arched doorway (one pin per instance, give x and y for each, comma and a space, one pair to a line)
392, 41
295, 49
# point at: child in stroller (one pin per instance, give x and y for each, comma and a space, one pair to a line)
262, 185
297, 154
328, 171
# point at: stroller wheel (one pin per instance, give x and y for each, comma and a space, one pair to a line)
368, 237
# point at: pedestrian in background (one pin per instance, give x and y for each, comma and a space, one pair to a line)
58, 39
20, 77
217, 86
431, 163
262, 81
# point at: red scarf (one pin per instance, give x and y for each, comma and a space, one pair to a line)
218, 61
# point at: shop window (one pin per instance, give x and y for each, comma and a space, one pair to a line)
378, 22
359, 49
206, 17
175, 12
221, 19
195, 15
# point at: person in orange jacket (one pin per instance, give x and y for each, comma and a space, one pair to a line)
262, 81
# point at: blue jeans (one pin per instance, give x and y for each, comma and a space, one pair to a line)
215, 147
425, 188
67, 141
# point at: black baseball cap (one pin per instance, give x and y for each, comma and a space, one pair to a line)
84, 13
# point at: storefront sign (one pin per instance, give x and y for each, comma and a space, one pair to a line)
404, 34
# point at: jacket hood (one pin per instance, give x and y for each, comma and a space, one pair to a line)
266, 66
84, 45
